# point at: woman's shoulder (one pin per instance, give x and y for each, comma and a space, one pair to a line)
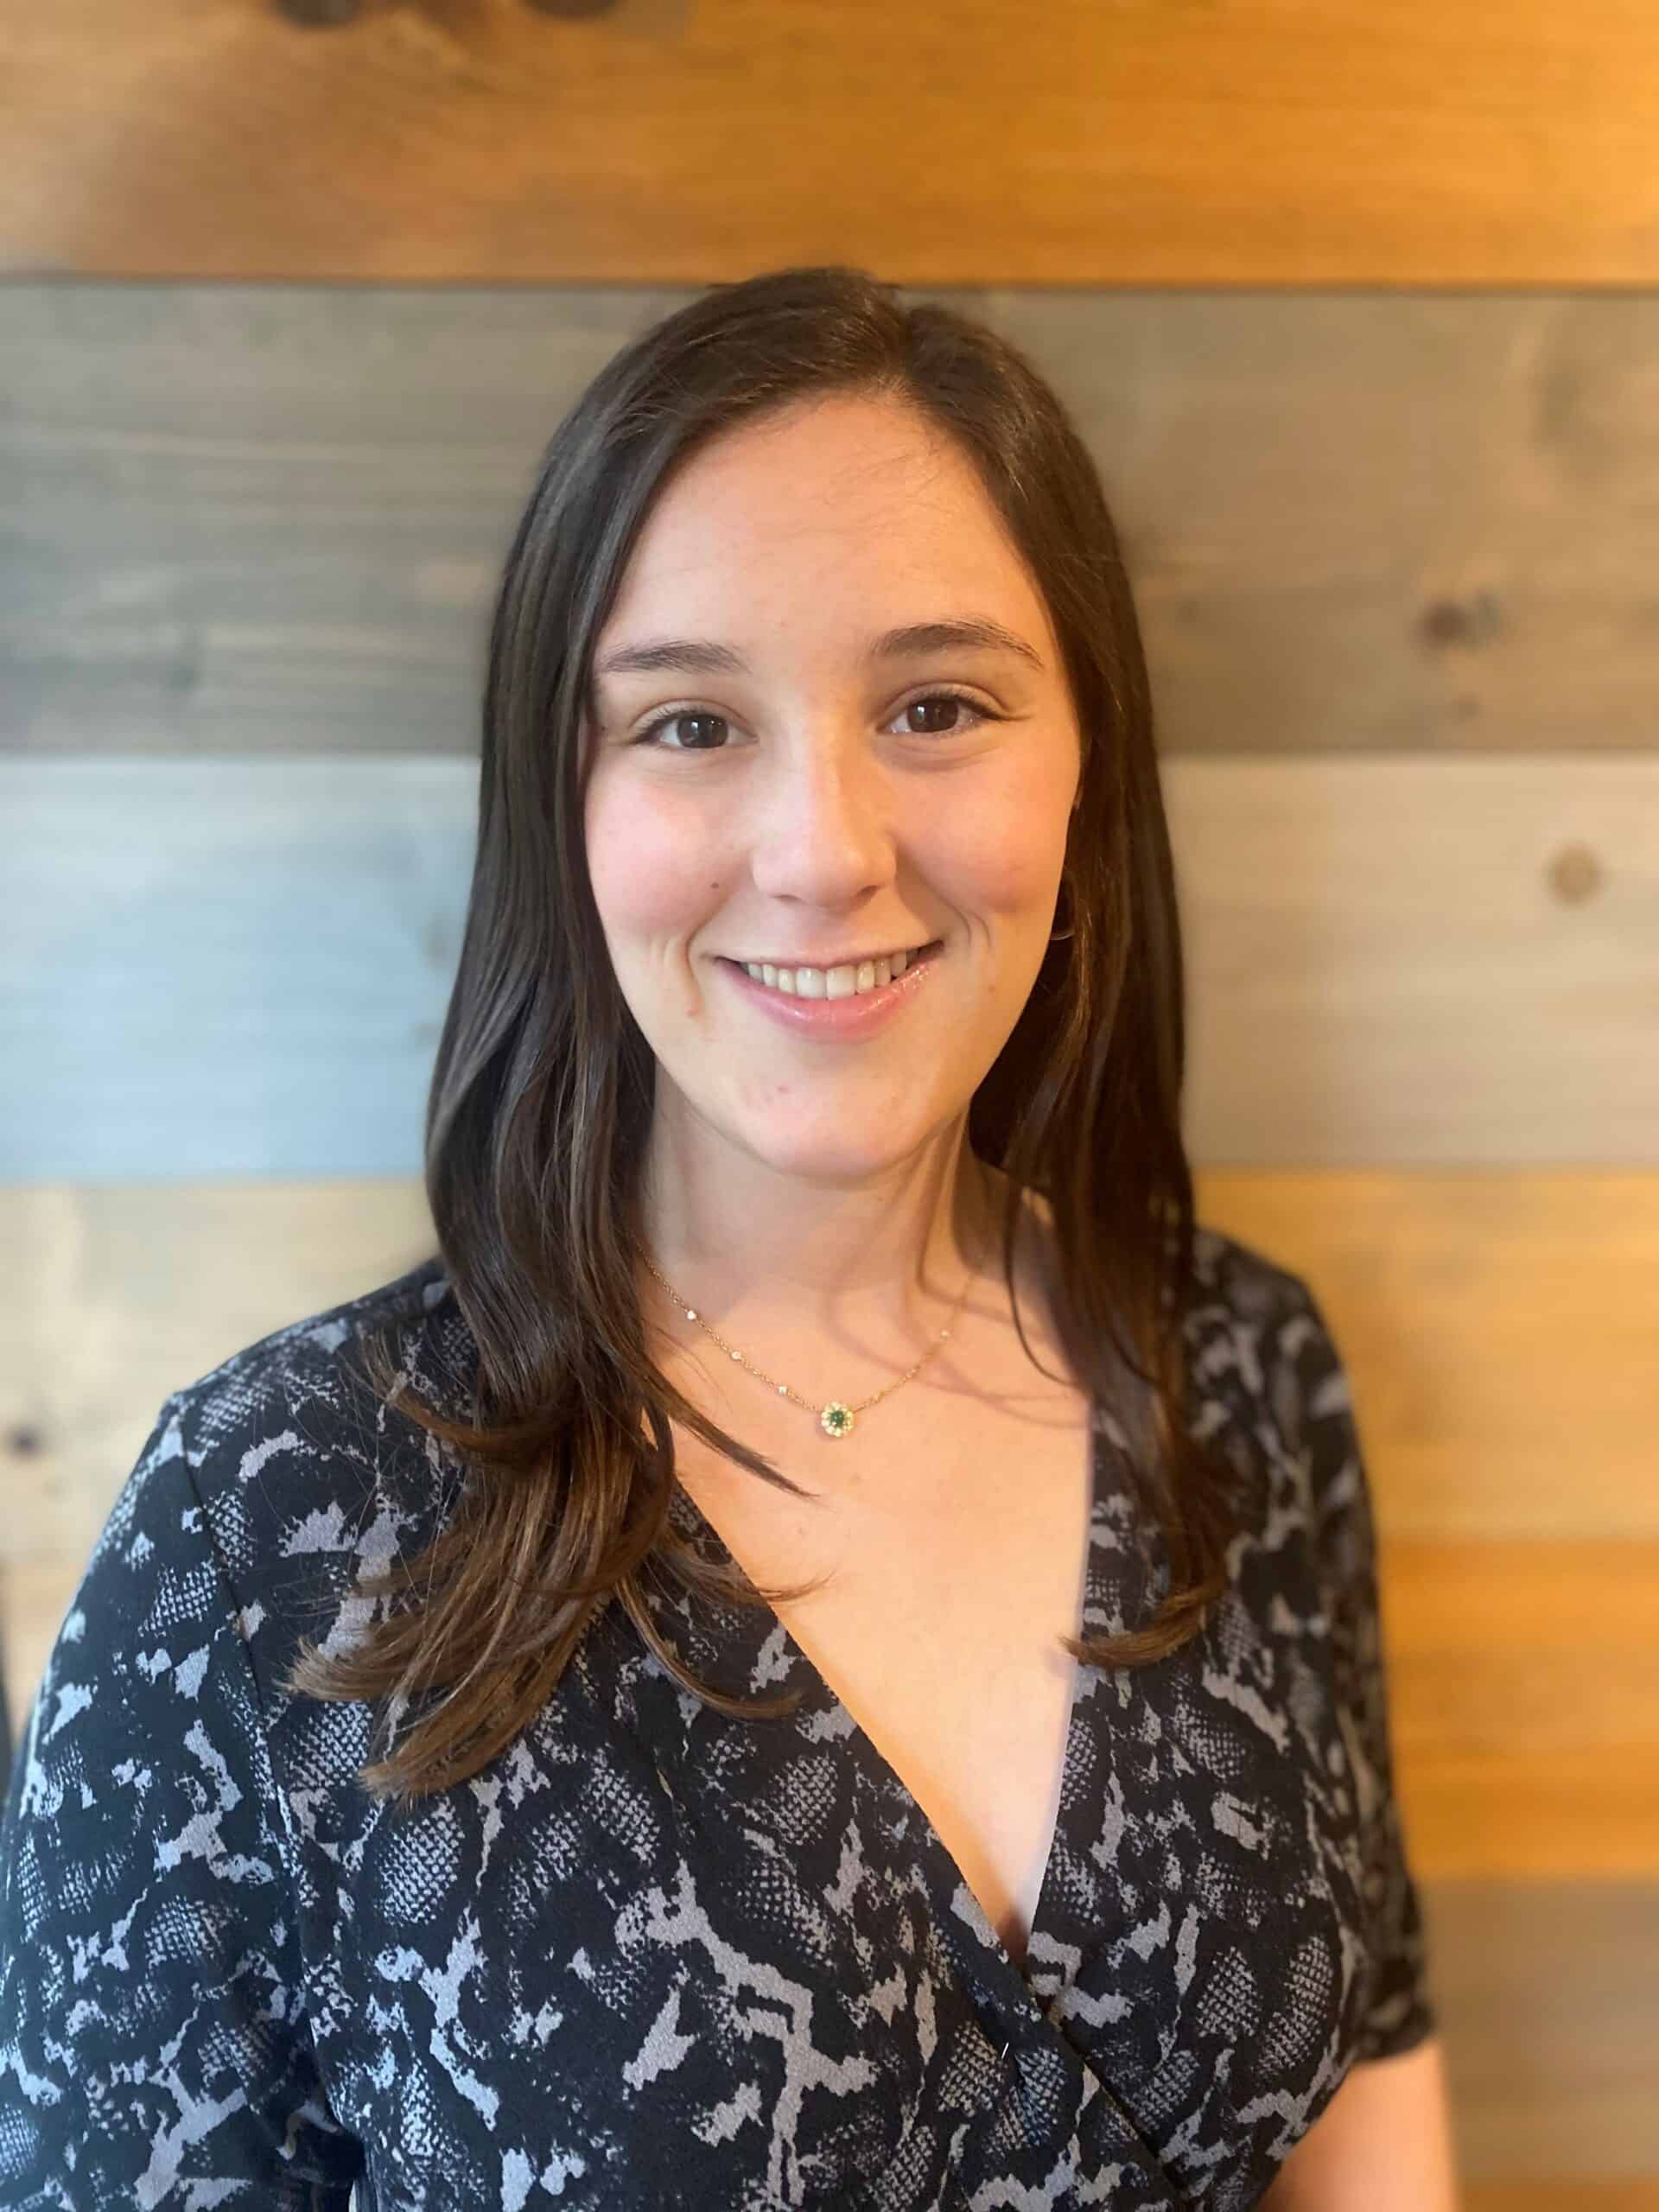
1257, 1336
1242, 1288
1268, 1385
1267, 1380
283, 1468
310, 1361
302, 1392
168, 1845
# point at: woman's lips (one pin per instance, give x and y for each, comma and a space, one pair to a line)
861, 1015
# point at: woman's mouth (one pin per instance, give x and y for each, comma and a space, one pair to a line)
841, 982
843, 1002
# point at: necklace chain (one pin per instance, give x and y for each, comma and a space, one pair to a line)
836, 1417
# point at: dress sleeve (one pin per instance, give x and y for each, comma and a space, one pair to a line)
152, 2039
1400, 2011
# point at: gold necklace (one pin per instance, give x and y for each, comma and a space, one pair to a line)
834, 1419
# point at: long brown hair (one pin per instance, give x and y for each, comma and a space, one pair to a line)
542, 1092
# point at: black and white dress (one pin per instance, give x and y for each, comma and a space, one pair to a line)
653, 1956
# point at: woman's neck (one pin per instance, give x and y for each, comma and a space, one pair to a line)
811, 1256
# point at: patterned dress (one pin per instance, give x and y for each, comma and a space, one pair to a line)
653, 1956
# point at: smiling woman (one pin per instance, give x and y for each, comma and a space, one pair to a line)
520, 1772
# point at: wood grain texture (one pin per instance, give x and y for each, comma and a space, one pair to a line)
114, 1297
1561, 2193
1501, 1333
226, 967
1547, 1998
1263, 142
220, 967
238, 520
1525, 1689
1387, 959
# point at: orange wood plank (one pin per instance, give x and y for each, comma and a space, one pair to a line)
1263, 142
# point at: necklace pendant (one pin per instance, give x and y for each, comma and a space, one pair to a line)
835, 1420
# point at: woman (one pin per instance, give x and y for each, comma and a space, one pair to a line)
880, 1606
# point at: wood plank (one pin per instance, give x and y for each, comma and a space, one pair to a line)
1562, 2194
1496, 1329
1505, 1644
1532, 1816
1386, 960
114, 1297
1550, 2000
226, 967
1524, 1691
1499, 1331
215, 968
1268, 142
238, 518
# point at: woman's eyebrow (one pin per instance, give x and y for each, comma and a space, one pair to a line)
703, 656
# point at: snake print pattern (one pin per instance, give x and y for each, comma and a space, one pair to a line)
653, 1956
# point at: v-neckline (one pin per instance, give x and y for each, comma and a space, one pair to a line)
783, 1653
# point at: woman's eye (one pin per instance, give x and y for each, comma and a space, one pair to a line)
651, 731
943, 712
946, 699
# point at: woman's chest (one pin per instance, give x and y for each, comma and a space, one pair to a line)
950, 1568
656, 1948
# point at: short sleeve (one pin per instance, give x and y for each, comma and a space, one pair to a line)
152, 2039
1400, 2012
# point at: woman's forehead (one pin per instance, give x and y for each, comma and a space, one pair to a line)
849, 532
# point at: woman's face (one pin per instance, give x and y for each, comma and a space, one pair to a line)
780, 781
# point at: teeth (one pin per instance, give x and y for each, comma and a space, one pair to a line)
828, 982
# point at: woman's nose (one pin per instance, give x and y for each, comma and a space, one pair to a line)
826, 829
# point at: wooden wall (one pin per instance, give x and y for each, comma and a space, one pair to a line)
1212, 143
1357, 314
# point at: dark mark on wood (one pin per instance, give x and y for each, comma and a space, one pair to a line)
317, 14
1575, 874
1461, 622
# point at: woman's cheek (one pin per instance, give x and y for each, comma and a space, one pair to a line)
654, 873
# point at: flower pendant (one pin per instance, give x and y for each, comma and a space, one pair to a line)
835, 1420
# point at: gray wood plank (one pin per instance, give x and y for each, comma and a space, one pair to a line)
1550, 1997
215, 967
225, 967
268, 519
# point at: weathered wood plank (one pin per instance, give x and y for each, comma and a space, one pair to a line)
1562, 2194
1535, 1817
1268, 142
111, 1298
1524, 1685
225, 967
1499, 1331
215, 968
1550, 1997
239, 518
